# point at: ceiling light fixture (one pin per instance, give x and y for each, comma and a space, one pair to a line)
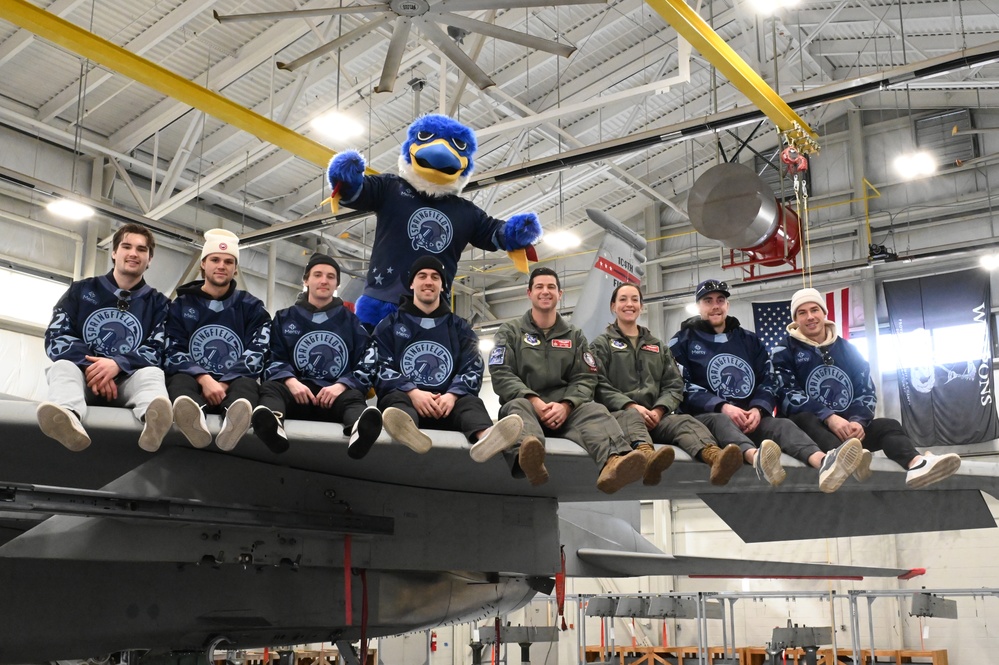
337, 125
486, 345
989, 261
915, 165
771, 6
692, 308
69, 209
562, 240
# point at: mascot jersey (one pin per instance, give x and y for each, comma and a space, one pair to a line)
437, 352
731, 367
96, 318
227, 338
322, 345
824, 380
410, 225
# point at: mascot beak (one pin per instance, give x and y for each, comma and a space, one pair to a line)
437, 162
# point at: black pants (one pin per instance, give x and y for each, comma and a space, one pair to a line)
346, 409
241, 388
882, 434
468, 416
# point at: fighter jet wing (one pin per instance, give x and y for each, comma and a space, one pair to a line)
30, 457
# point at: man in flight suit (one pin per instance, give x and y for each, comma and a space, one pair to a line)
543, 371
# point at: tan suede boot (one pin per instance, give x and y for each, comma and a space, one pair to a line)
657, 461
724, 462
531, 458
621, 470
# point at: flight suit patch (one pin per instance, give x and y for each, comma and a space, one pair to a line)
497, 355
590, 361
654, 348
618, 344
531, 340
562, 343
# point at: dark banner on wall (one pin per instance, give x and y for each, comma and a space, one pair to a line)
944, 343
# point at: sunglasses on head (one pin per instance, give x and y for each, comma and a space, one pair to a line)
714, 286
123, 297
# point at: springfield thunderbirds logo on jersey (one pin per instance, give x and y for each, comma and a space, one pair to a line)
321, 355
216, 348
731, 376
831, 386
430, 229
427, 363
112, 333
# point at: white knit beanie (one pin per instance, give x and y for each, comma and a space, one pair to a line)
220, 241
803, 296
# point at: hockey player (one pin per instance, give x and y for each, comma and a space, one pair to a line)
106, 341
218, 338
729, 385
826, 390
430, 371
314, 371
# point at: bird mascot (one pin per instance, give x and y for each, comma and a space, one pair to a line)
420, 212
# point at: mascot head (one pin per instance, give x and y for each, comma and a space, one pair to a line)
436, 158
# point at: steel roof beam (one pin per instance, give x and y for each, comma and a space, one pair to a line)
89, 45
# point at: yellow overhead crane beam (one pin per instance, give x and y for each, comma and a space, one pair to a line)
676, 12
84, 43
689, 25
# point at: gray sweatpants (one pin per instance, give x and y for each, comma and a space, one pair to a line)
791, 440
590, 425
68, 388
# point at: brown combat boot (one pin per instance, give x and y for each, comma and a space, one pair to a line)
657, 461
621, 470
724, 462
531, 458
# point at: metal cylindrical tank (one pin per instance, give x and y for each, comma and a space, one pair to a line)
731, 204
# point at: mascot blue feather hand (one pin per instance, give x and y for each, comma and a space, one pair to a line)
420, 212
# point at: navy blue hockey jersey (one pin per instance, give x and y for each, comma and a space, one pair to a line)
824, 380
438, 353
731, 367
96, 318
325, 346
411, 225
226, 338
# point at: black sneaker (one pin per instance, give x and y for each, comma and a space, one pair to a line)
268, 428
366, 429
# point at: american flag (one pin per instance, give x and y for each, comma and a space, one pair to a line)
771, 318
771, 321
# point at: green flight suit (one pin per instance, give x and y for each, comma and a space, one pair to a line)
645, 374
557, 367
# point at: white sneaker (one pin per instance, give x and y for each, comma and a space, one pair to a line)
190, 420
933, 468
403, 430
839, 464
235, 424
158, 419
61, 424
366, 429
863, 472
767, 463
497, 438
